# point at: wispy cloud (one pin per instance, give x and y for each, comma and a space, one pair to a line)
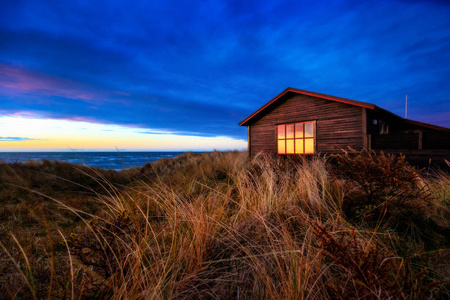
20, 80
16, 139
27, 81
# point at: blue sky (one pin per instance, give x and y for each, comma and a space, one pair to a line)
197, 68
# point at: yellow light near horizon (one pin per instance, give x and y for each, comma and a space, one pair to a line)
62, 135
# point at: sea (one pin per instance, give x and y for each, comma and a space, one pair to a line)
105, 160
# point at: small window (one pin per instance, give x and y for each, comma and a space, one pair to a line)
296, 138
384, 127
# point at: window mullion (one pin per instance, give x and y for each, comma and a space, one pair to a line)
285, 139
295, 152
304, 144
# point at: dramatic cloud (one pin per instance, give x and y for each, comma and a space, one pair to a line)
199, 67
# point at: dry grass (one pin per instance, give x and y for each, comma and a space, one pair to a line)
219, 226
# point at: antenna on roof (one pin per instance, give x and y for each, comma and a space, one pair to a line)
406, 107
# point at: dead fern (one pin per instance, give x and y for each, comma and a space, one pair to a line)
368, 270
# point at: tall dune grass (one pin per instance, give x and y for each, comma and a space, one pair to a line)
220, 226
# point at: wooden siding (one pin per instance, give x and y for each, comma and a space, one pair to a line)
397, 140
423, 158
412, 140
436, 140
338, 125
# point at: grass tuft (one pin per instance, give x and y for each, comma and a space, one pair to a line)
221, 226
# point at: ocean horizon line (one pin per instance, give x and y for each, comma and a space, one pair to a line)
114, 160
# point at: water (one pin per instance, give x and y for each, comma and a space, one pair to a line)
105, 160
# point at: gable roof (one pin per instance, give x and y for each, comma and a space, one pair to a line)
288, 91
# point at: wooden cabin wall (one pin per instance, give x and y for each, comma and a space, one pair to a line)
436, 140
395, 140
338, 125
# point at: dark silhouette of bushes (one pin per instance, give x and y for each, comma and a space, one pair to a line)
365, 270
384, 189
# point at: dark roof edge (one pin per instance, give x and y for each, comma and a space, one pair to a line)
413, 122
425, 124
308, 93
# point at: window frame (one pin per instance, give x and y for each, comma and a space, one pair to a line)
313, 138
383, 127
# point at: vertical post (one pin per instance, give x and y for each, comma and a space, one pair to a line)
364, 128
420, 139
406, 107
369, 137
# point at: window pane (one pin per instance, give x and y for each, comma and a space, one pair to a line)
299, 130
290, 131
290, 146
299, 146
309, 145
309, 129
281, 133
281, 146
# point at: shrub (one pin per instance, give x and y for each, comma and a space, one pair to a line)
379, 176
366, 270
386, 189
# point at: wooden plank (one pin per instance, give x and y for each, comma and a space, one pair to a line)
364, 127
436, 140
420, 139
398, 140
249, 140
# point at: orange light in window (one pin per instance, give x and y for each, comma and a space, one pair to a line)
282, 146
290, 146
295, 138
281, 131
309, 146
290, 131
299, 146
309, 129
299, 130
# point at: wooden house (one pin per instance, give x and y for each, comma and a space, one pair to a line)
299, 122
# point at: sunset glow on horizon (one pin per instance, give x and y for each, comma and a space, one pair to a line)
38, 134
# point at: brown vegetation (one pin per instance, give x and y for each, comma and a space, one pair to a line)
220, 226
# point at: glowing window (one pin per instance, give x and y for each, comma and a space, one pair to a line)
296, 138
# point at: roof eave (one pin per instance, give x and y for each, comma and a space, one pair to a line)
418, 123
413, 122
242, 123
